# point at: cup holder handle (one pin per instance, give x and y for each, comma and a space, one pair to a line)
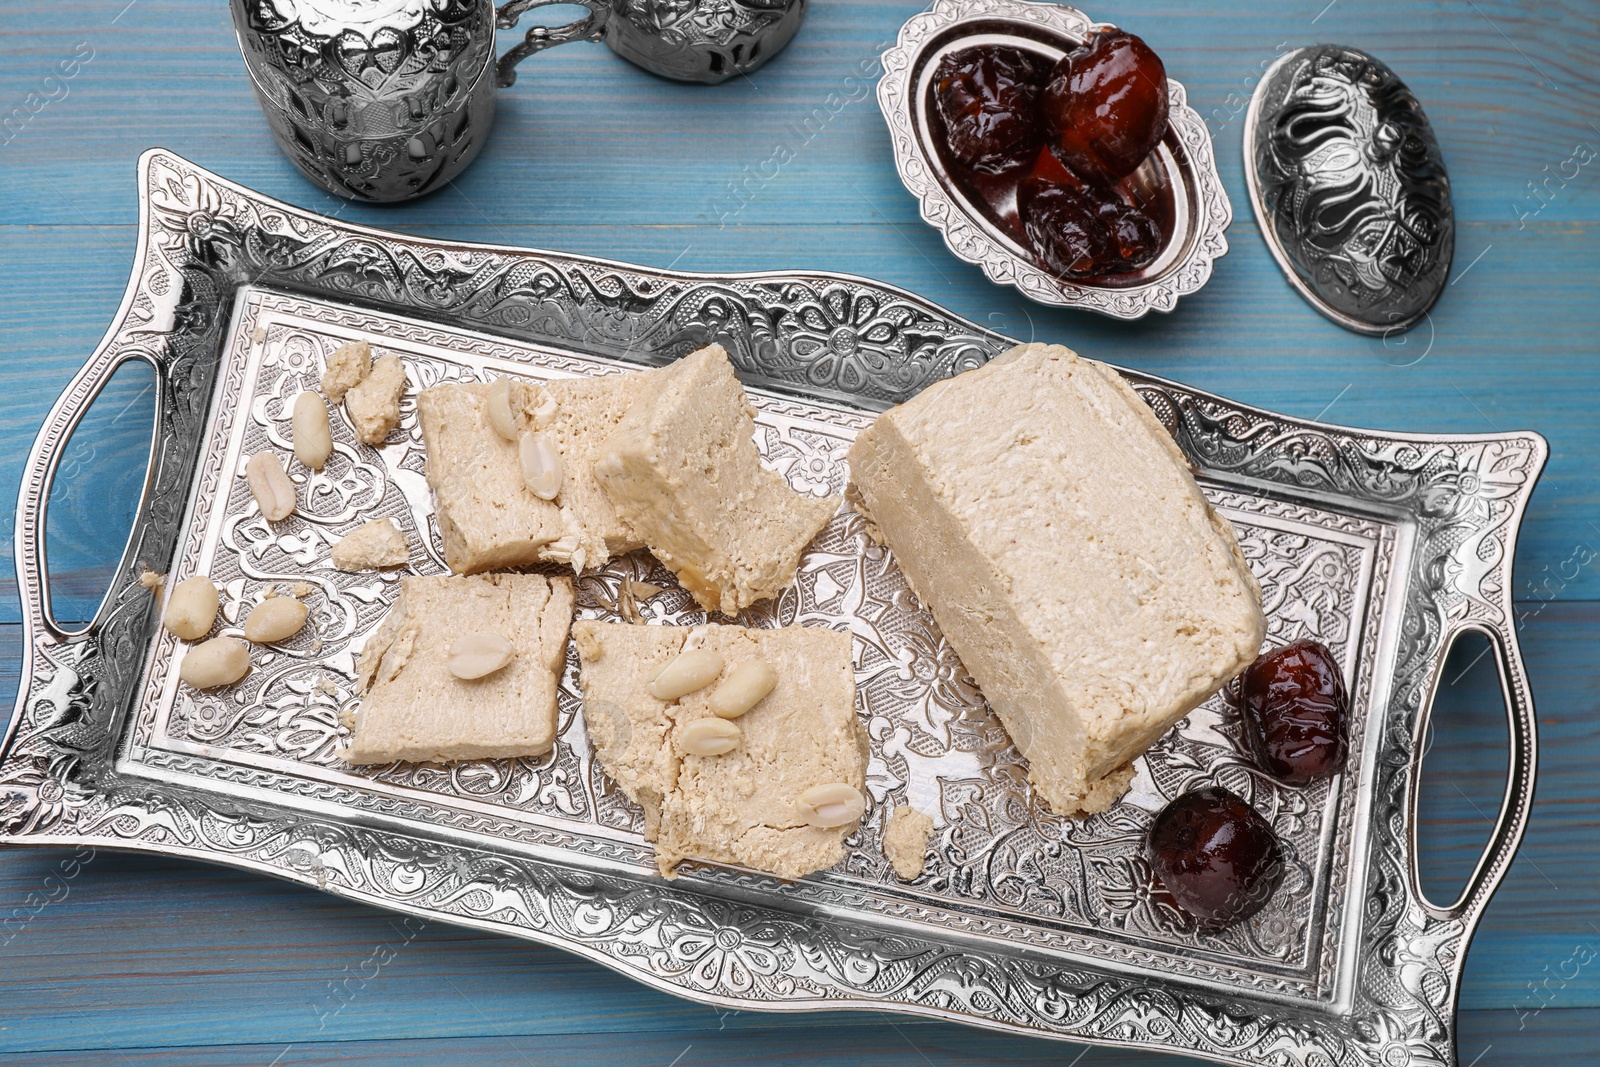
592, 27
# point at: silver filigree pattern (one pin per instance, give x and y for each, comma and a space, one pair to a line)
1385, 546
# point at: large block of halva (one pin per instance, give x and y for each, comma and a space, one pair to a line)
1050, 523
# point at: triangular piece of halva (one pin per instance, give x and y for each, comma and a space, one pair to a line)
684, 472
488, 515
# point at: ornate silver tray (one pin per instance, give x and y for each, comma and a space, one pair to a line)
1385, 546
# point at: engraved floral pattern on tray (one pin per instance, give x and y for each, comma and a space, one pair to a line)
934, 742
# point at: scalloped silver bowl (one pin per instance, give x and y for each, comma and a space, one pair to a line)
1182, 172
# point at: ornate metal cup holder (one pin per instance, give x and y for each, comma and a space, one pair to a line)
1386, 546
390, 99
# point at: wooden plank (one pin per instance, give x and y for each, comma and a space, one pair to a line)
831, 1039
10, 664
141, 951
570, 143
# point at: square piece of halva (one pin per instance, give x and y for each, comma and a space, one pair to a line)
746, 806
578, 415
416, 709
684, 472
1051, 525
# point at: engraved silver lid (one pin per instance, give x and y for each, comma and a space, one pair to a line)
1349, 188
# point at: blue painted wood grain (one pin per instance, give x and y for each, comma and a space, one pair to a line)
157, 961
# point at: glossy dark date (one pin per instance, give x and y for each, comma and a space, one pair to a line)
1106, 106
988, 96
1296, 712
1085, 232
1218, 858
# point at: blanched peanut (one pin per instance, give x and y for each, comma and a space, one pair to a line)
709, 737
270, 485
545, 409
191, 608
275, 619
834, 804
744, 687
479, 654
498, 407
541, 466
692, 670
219, 661
313, 438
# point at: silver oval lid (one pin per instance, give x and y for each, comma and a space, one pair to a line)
1349, 187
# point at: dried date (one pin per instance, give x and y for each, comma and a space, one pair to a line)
1084, 232
1296, 712
1106, 106
988, 97
1216, 855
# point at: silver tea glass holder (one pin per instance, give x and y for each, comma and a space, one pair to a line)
386, 100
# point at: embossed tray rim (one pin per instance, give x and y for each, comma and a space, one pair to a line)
54, 765
269, 310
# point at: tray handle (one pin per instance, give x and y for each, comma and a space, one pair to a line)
1517, 802
39, 472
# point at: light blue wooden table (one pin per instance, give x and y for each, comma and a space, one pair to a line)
132, 960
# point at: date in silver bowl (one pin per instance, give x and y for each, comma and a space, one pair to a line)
1180, 176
